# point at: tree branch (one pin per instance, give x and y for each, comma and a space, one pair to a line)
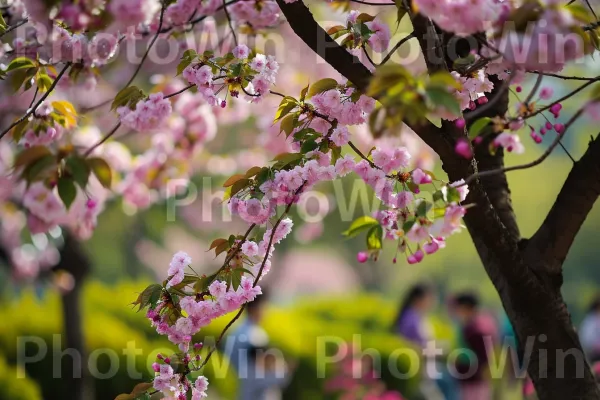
576, 198
306, 28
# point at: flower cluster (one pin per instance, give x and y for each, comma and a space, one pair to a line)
257, 14
463, 17
378, 34
132, 13
473, 89
46, 210
344, 104
147, 115
78, 47
191, 126
179, 12
238, 72
408, 216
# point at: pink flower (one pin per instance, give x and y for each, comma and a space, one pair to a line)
241, 51
177, 267
345, 165
510, 142
419, 177
250, 248
340, 136
431, 247
546, 93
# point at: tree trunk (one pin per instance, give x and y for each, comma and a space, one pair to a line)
74, 372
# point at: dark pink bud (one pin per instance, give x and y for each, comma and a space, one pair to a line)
362, 257
478, 140
463, 149
156, 367
198, 346
542, 131
223, 104
536, 137
482, 100
472, 105
560, 128
159, 356
519, 89
555, 109
549, 125
460, 123
394, 260
167, 360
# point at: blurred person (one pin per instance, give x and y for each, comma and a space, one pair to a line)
476, 328
589, 332
261, 372
411, 323
268, 373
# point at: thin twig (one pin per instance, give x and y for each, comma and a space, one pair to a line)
180, 91
104, 139
565, 97
139, 67
258, 276
564, 77
400, 43
230, 23
13, 27
40, 101
532, 163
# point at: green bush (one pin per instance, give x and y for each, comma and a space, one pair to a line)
110, 323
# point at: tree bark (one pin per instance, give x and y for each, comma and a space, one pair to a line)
526, 274
75, 374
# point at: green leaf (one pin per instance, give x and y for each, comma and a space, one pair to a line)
443, 98
20, 63
102, 170
335, 29
452, 195
443, 80
287, 158
478, 126
216, 243
364, 17
423, 208
44, 82
239, 186
407, 226
233, 179
186, 59
20, 77
288, 123
149, 296
18, 130
401, 11
309, 145
375, 238
321, 86
303, 92
287, 104
359, 225
79, 170
127, 97
438, 195
35, 170
3, 25
66, 191
31, 155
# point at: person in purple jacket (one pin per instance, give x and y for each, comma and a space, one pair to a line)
411, 323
